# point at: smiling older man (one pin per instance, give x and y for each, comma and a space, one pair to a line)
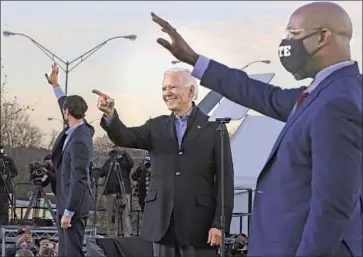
182, 207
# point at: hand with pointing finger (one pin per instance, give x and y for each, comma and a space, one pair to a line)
105, 103
178, 47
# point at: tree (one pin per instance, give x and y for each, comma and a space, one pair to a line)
16, 129
102, 145
53, 136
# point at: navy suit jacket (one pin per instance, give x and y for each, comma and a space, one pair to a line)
308, 195
71, 165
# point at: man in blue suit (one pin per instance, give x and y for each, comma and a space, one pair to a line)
308, 199
71, 157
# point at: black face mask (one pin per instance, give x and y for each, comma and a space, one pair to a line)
294, 56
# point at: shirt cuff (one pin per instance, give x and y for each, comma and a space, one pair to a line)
107, 120
200, 67
58, 92
68, 213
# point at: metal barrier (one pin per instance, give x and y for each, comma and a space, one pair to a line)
247, 214
9, 235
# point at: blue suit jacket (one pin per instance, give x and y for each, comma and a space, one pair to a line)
71, 165
308, 195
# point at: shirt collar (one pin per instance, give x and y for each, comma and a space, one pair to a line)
186, 115
72, 129
323, 74
189, 113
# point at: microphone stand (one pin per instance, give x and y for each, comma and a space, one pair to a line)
221, 128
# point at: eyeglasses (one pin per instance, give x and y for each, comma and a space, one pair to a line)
291, 33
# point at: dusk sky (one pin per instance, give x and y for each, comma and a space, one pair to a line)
233, 33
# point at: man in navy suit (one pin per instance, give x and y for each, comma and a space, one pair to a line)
308, 199
71, 157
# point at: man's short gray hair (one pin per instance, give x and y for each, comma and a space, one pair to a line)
189, 80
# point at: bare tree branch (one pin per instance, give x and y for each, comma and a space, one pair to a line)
53, 137
15, 127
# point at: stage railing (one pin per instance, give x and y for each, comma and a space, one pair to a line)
9, 235
241, 215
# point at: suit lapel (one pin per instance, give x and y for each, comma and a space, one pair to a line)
69, 139
172, 129
195, 125
58, 144
303, 106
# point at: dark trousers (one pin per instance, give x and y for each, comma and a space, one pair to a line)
70, 240
169, 246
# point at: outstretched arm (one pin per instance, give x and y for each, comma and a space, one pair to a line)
131, 137
238, 87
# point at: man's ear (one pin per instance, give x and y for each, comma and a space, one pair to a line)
192, 91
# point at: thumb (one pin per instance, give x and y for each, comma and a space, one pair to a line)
164, 43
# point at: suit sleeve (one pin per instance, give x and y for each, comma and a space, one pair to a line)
80, 157
238, 87
133, 137
61, 97
336, 139
228, 182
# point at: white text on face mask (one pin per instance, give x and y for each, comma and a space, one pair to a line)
284, 51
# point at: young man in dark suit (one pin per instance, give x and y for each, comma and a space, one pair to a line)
183, 203
71, 157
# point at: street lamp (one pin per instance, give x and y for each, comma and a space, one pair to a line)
79, 59
51, 119
260, 61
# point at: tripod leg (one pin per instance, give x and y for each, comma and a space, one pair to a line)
49, 205
30, 205
11, 200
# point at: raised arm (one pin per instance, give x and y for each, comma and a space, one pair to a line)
133, 137
238, 87
52, 79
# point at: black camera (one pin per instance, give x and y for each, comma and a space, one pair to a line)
236, 245
38, 172
115, 155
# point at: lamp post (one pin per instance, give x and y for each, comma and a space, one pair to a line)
51, 119
68, 64
259, 61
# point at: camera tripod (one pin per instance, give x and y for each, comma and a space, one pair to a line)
6, 177
11, 198
122, 203
37, 193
